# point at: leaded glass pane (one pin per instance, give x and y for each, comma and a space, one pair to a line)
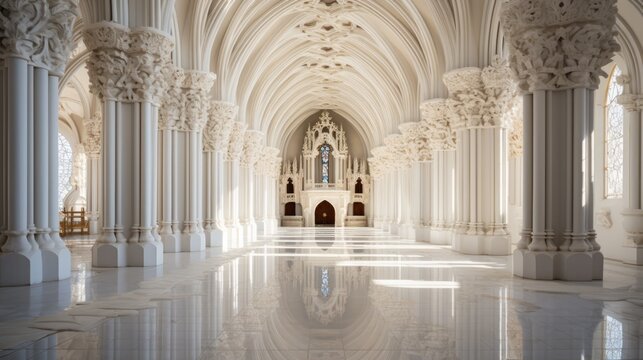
65, 167
614, 118
325, 156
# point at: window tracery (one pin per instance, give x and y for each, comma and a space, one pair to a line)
324, 151
614, 119
65, 168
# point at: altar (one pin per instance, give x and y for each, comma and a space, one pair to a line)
324, 186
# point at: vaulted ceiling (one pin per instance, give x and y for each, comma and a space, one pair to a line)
372, 61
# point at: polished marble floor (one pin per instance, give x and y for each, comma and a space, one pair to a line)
322, 294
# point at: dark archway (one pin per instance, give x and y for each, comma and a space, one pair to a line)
358, 186
290, 187
291, 209
324, 214
358, 209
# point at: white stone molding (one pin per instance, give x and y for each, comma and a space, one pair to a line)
435, 115
216, 135
416, 137
631, 102
127, 65
557, 44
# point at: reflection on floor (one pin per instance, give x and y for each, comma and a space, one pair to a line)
322, 293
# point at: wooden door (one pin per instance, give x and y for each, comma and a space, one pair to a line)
325, 214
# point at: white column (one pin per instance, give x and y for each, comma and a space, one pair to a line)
20, 263
633, 215
93, 149
481, 101
558, 238
235, 149
32, 60
130, 117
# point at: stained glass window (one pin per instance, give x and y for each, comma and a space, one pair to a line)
65, 168
614, 117
325, 156
325, 286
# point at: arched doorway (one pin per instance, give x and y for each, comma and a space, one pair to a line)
324, 214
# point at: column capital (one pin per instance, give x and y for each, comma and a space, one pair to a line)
415, 137
252, 146
266, 163
237, 139
631, 102
127, 65
94, 128
480, 98
38, 31
216, 135
398, 150
194, 97
557, 44
435, 116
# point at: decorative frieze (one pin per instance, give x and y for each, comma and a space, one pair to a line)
556, 44
38, 31
237, 139
127, 65
435, 117
216, 135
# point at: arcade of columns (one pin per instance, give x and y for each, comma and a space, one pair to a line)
178, 173
556, 54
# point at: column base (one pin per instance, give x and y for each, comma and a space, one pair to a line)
633, 254
407, 231
217, 237
192, 242
558, 265
441, 236
109, 255
395, 228
23, 268
482, 244
93, 226
171, 243
423, 234
56, 264
143, 254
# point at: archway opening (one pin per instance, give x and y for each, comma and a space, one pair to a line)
324, 214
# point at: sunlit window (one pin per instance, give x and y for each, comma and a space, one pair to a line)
614, 117
65, 168
325, 156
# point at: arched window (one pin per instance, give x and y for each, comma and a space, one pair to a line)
358, 186
614, 118
290, 187
65, 168
324, 151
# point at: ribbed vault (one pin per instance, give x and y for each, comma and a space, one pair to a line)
371, 61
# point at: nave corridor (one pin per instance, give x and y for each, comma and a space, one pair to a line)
322, 293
